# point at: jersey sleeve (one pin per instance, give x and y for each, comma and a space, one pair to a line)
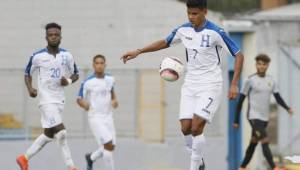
174, 38
72, 67
226, 42
31, 66
246, 87
275, 87
82, 91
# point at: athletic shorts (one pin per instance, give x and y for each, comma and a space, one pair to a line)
103, 129
201, 101
259, 128
51, 114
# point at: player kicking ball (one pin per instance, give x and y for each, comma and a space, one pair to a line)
97, 97
202, 89
56, 69
259, 87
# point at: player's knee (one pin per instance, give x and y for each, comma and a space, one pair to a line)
264, 140
254, 139
61, 136
109, 146
186, 130
196, 131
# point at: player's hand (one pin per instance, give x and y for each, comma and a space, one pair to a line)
64, 81
130, 55
291, 111
114, 103
235, 125
233, 91
86, 106
32, 92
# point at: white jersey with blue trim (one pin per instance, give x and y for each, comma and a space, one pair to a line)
50, 69
97, 91
202, 51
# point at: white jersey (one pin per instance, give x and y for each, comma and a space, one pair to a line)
259, 90
50, 69
202, 51
97, 91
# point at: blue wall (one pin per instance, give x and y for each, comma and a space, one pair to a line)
234, 135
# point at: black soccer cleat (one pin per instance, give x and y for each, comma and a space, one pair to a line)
202, 167
89, 161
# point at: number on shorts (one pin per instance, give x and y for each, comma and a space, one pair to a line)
209, 103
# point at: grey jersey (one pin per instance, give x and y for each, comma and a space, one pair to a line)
259, 91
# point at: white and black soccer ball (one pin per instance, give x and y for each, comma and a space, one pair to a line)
171, 68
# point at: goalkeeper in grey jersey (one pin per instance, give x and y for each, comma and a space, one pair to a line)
259, 87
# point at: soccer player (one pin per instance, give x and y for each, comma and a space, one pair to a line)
202, 89
97, 97
56, 69
259, 87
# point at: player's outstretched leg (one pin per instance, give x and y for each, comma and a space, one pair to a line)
36, 146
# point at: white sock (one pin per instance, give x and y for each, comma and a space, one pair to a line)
97, 154
108, 160
37, 145
197, 152
62, 142
188, 142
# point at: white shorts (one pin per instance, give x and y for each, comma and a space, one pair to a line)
51, 114
103, 129
202, 101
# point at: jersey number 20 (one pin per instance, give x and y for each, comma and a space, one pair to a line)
55, 72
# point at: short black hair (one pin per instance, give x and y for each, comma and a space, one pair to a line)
263, 57
99, 56
52, 25
196, 4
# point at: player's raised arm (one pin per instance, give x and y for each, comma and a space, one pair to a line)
233, 91
155, 46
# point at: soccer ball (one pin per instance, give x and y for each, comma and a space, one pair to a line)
171, 69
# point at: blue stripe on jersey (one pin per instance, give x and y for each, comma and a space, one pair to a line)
28, 67
75, 69
232, 47
80, 93
170, 38
63, 50
218, 55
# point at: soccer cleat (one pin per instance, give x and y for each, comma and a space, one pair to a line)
23, 162
202, 167
89, 161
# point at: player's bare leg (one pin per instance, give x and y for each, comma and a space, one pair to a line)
198, 124
186, 129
